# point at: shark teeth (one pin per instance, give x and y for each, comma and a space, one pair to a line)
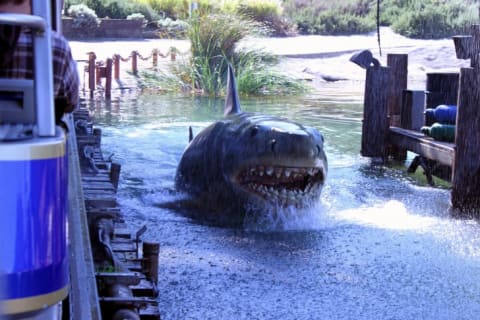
280, 172
282, 184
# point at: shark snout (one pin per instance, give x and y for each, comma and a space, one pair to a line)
296, 145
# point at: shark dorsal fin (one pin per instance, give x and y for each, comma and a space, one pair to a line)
232, 102
190, 134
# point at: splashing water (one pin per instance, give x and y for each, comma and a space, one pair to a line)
290, 218
376, 246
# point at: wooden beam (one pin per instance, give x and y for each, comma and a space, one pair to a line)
417, 142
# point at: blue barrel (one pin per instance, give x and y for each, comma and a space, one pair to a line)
444, 114
34, 269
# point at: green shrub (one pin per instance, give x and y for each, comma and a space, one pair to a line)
255, 75
144, 9
172, 28
269, 13
139, 17
339, 17
180, 9
214, 38
335, 23
120, 9
413, 18
430, 20
84, 19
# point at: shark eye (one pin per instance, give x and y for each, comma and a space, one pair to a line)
254, 131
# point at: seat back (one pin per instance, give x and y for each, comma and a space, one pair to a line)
24, 101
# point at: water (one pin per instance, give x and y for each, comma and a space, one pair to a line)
380, 244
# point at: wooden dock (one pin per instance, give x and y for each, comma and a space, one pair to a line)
114, 273
393, 116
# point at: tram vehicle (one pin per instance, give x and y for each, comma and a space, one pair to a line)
34, 270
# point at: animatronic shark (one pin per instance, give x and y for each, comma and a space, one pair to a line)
251, 162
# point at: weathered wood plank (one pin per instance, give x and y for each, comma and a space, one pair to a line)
144, 288
417, 142
125, 278
149, 312
124, 246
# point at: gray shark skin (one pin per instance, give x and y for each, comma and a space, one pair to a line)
250, 162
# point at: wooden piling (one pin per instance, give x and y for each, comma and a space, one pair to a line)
91, 72
108, 78
468, 47
398, 64
474, 48
397, 83
442, 88
115, 174
466, 169
375, 121
116, 66
151, 251
134, 62
99, 73
462, 46
155, 57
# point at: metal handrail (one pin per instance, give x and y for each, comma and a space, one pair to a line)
18, 19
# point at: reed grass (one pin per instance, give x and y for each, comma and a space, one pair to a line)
214, 39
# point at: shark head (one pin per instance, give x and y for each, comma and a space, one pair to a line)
252, 160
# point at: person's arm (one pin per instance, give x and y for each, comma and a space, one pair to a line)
66, 78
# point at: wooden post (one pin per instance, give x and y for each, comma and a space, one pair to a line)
134, 62
115, 174
397, 83
97, 133
475, 46
468, 47
116, 66
151, 251
442, 88
108, 78
413, 109
91, 72
375, 121
99, 73
466, 170
462, 46
398, 64
155, 57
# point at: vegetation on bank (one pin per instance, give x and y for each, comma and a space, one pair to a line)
214, 39
214, 29
412, 18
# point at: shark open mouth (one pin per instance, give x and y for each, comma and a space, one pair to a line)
282, 185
